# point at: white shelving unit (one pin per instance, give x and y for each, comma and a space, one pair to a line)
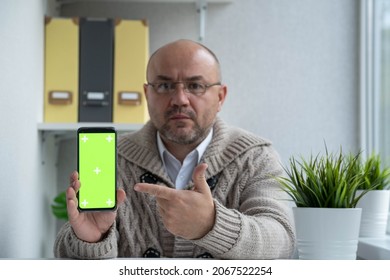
59, 129
64, 2
52, 134
200, 7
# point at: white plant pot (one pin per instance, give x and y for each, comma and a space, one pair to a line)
388, 224
327, 233
375, 209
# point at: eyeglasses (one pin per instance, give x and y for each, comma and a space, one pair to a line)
195, 88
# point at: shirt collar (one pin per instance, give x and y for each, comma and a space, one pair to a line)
201, 148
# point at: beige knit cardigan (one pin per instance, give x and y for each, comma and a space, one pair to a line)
253, 217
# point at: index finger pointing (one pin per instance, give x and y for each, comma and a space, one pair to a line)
155, 190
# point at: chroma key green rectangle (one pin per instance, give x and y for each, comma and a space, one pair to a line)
97, 169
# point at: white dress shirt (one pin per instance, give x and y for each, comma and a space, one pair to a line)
181, 174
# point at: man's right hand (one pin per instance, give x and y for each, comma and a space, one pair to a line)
88, 226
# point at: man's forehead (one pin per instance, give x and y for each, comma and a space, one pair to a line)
178, 46
185, 71
185, 78
184, 56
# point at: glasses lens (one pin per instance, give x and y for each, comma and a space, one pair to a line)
195, 88
162, 87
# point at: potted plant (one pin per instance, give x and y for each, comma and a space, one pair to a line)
323, 188
58, 207
375, 203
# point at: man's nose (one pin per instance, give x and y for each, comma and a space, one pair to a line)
180, 96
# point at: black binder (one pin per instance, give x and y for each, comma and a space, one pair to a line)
96, 70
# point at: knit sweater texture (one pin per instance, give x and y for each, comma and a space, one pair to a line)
253, 217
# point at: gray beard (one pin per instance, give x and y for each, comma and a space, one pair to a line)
195, 137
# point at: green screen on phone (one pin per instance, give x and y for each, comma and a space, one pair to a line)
97, 169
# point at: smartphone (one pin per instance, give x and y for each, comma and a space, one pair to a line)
96, 164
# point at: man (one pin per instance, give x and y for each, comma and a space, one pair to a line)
188, 185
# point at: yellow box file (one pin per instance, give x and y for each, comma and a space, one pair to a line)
61, 70
131, 55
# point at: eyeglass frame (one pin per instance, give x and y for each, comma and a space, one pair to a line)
185, 86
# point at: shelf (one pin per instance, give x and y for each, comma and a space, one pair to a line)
74, 126
200, 5
65, 130
374, 248
64, 2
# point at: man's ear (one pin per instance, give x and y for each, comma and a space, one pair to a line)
146, 91
222, 93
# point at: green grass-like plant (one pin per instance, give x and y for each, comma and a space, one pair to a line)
327, 181
376, 177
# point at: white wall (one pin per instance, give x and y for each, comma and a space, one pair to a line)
291, 65
23, 201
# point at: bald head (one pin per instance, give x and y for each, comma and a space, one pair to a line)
182, 53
